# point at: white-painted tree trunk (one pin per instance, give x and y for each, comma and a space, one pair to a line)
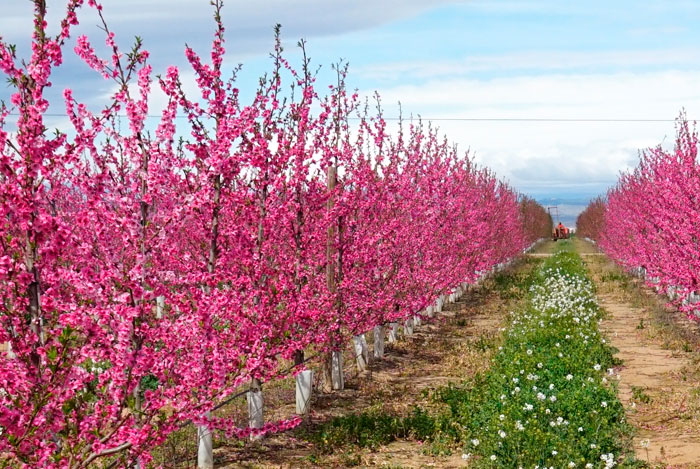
694, 299
378, 342
337, 378
160, 307
361, 352
417, 321
365, 348
304, 389
408, 326
205, 446
671, 292
655, 281
256, 418
393, 332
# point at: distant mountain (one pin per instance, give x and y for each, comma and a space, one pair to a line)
567, 207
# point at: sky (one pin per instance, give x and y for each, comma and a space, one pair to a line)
557, 97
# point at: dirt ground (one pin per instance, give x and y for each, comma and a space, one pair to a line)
451, 348
660, 376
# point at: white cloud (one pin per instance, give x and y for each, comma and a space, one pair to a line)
539, 61
567, 155
167, 23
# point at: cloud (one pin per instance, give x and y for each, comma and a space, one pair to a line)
539, 62
558, 156
650, 95
167, 23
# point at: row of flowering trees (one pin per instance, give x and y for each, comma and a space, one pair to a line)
591, 221
148, 271
651, 219
537, 222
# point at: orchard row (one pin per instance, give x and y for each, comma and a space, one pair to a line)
149, 271
650, 221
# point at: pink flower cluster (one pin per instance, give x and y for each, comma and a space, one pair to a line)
149, 271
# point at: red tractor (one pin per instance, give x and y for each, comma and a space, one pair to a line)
560, 232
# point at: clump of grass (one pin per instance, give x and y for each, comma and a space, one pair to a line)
510, 284
639, 395
613, 276
372, 429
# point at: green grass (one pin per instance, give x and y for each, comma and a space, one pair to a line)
639, 394
372, 429
510, 285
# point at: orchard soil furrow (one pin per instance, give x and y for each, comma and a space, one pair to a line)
659, 376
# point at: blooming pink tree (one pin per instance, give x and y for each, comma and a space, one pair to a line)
590, 222
652, 217
537, 222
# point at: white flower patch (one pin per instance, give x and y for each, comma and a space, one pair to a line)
564, 304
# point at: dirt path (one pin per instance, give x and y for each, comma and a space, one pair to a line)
658, 385
449, 349
436, 354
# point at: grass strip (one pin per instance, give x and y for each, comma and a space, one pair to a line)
550, 398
